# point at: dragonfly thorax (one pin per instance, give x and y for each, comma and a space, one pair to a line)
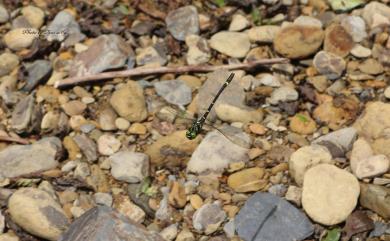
194, 130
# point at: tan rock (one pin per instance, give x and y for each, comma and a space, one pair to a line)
303, 124
247, 180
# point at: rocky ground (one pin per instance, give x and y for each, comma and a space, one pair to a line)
109, 160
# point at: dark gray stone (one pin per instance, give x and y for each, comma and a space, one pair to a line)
87, 146
63, 26
37, 72
266, 217
338, 142
182, 22
103, 223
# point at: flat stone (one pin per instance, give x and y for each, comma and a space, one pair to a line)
129, 102
231, 114
174, 92
198, 50
220, 150
328, 64
8, 62
208, 218
343, 138
38, 213
106, 52
247, 180
361, 52
298, 41
263, 34
356, 27
87, 146
64, 26
342, 5
238, 23
264, 215
283, 94
337, 40
74, 107
308, 21
108, 144
373, 10
375, 198
232, 44
103, 223
34, 15
20, 38
371, 66
18, 160
131, 167
4, 16
182, 22
150, 56
324, 186
306, 157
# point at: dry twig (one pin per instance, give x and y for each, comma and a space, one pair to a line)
14, 139
162, 70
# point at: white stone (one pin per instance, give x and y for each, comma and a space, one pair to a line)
232, 44
329, 194
308, 21
20, 38
198, 50
238, 23
294, 195
360, 52
306, 157
35, 16
131, 167
108, 144
170, 232
387, 92
355, 26
282, 94
269, 80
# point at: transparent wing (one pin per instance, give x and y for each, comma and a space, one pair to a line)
234, 135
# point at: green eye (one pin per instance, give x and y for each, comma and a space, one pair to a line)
190, 135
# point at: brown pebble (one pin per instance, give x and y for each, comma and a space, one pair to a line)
257, 128
279, 168
196, 201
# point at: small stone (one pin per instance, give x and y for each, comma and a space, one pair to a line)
323, 186
342, 5
208, 218
247, 180
38, 213
303, 124
8, 62
230, 113
103, 199
138, 129
131, 167
371, 66
82, 170
129, 102
355, 26
375, 9
87, 146
198, 50
150, 56
4, 16
20, 38
108, 144
298, 41
88, 100
375, 198
294, 195
170, 232
177, 195
174, 92
232, 44
65, 27
305, 158
185, 235
69, 166
360, 52
257, 128
35, 16
328, 64
129, 209
308, 21
269, 80
387, 92
263, 34
107, 119
283, 94
37, 72
122, 123
196, 201
74, 107
182, 22
238, 23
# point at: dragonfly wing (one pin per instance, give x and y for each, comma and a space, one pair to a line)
234, 135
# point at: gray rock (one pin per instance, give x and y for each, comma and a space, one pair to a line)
208, 218
20, 160
328, 64
150, 55
131, 167
174, 92
376, 198
63, 26
198, 50
4, 16
22, 114
267, 217
2, 223
37, 72
87, 146
8, 62
103, 223
379, 229
106, 52
283, 94
182, 22
103, 198
20, 22
339, 141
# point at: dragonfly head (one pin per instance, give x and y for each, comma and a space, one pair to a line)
191, 134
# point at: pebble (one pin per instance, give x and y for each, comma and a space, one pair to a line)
308, 21
48, 93
129, 209
361, 52
10, 236
129, 102
387, 93
375, 9
329, 64
170, 232
2, 223
371, 66
8, 62
218, 148
107, 118
269, 80
130, 167
238, 23
37, 72
303, 124
185, 235
323, 186
232, 44
69, 166
294, 195
342, 139
208, 218
138, 129
74, 107
230, 113
283, 94
355, 26
87, 146
177, 196
4, 16
38, 213
122, 123
263, 34
375, 198
364, 163
103, 198
264, 215
198, 50
107, 144
66, 27
150, 56
340, 5
104, 221
306, 157
337, 40
106, 52
298, 41
257, 128
16, 160
174, 92
20, 38
182, 22
247, 180
196, 201
34, 15
50, 121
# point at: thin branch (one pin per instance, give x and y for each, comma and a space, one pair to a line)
14, 139
162, 70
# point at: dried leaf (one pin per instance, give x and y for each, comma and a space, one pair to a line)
357, 222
